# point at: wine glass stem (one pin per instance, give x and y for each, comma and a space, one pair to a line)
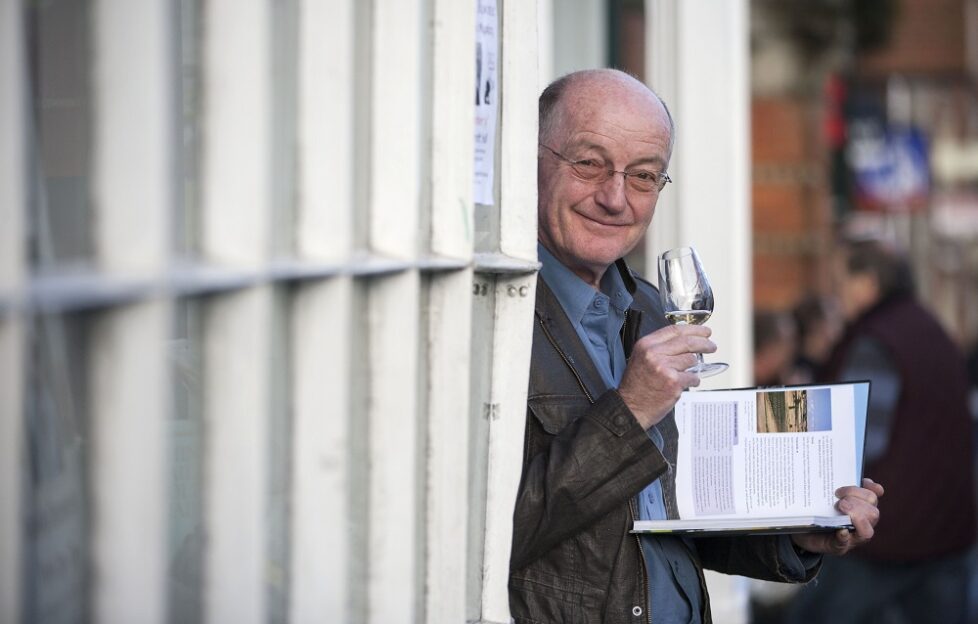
700, 362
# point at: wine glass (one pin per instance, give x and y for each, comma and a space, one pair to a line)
687, 297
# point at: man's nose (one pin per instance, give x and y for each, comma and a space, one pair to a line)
611, 193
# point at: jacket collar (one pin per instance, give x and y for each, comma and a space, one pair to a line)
626, 275
551, 315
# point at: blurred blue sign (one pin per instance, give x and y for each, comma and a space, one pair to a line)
889, 165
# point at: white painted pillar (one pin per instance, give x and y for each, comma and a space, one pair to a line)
325, 134
583, 35
392, 314
698, 60
505, 309
11, 461
546, 65
13, 210
392, 442
322, 344
128, 474
321, 512
133, 196
236, 373
394, 158
448, 313
236, 219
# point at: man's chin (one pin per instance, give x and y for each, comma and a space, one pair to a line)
606, 255
599, 260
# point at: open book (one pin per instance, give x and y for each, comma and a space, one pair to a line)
764, 460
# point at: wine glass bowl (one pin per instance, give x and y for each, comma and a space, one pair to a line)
687, 298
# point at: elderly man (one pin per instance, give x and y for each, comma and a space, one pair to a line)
605, 374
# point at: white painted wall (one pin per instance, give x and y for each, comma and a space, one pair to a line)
580, 39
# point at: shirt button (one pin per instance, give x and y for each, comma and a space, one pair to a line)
619, 420
598, 302
637, 611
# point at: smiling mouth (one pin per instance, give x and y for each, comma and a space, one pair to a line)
602, 223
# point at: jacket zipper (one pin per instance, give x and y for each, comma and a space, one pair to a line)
631, 501
624, 337
641, 553
567, 361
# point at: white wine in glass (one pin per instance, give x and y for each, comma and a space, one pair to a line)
687, 298
688, 317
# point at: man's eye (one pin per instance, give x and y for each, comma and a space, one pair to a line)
644, 176
588, 163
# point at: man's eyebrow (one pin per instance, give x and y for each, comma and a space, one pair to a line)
651, 160
589, 145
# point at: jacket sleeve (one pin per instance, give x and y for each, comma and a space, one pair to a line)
765, 557
576, 469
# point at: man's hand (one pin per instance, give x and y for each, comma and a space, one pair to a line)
860, 503
656, 372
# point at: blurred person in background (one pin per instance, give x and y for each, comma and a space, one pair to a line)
918, 441
774, 347
973, 380
818, 324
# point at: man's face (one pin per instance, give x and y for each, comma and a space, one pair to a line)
588, 225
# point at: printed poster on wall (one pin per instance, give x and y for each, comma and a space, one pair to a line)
486, 99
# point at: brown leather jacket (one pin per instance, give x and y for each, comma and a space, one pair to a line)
585, 458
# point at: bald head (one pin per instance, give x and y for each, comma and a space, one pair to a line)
566, 89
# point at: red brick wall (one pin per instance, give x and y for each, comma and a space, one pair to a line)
792, 220
789, 201
928, 37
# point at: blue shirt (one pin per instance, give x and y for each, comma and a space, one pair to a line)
597, 316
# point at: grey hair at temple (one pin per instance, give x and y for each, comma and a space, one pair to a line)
550, 112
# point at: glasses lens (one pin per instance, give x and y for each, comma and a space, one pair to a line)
590, 170
646, 181
643, 181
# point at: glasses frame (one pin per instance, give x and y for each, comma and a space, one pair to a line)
662, 178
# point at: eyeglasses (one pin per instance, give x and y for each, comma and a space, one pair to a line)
597, 172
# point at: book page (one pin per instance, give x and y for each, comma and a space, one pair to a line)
765, 452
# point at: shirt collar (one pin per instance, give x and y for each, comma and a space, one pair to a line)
573, 293
613, 285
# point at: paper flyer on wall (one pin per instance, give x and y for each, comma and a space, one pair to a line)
765, 459
486, 100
